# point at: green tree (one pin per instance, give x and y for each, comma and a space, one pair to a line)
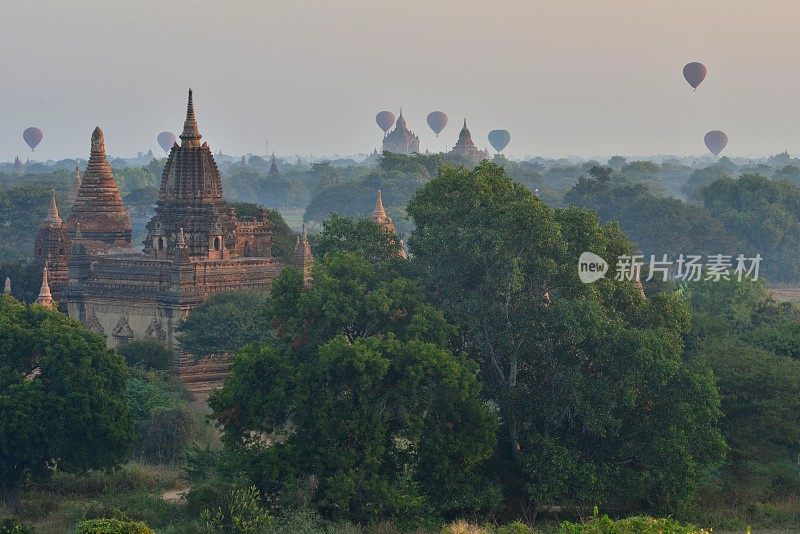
150, 354
364, 236
224, 324
62, 397
359, 399
584, 375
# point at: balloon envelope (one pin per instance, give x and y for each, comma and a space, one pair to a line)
32, 136
166, 140
499, 139
716, 141
437, 120
385, 120
694, 73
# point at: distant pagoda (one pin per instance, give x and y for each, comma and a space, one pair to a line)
19, 167
273, 166
465, 150
401, 140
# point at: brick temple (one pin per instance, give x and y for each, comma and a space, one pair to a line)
196, 246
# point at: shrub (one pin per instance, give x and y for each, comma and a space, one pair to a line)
631, 525
242, 513
12, 525
150, 354
111, 526
463, 527
515, 528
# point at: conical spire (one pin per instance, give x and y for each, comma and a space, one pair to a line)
98, 208
273, 167
52, 218
7, 287
379, 214
191, 131
45, 298
52, 215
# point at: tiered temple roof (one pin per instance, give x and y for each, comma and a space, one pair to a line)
190, 197
401, 140
99, 210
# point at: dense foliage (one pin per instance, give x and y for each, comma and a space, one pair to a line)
224, 324
360, 401
62, 397
597, 398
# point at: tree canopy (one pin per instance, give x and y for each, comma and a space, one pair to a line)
585, 375
62, 397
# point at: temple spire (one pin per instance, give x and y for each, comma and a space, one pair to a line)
273, 167
191, 131
379, 214
45, 298
52, 215
7, 287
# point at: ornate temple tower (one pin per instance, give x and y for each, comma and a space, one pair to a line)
401, 140
465, 149
104, 220
190, 197
52, 248
7, 287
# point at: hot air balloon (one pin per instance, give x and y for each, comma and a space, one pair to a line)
694, 73
716, 141
437, 120
385, 120
32, 136
499, 139
166, 140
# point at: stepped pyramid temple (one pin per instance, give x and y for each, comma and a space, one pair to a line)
401, 140
196, 246
465, 150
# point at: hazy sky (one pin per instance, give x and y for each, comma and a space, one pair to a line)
591, 77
